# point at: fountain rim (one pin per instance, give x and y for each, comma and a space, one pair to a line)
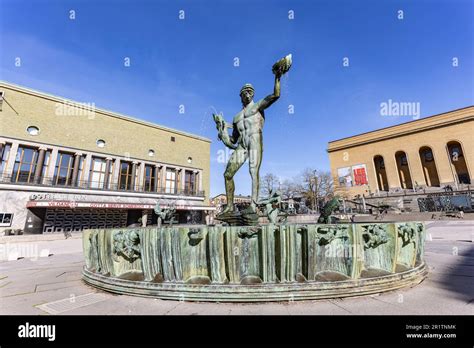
266, 292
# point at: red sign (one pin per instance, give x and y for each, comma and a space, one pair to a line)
360, 177
101, 205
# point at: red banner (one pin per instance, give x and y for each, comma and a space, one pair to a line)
101, 205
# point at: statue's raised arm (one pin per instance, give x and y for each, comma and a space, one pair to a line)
279, 69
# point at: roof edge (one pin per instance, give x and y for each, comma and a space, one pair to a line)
400, 124
103, 111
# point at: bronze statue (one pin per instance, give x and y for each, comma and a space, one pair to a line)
246, 139
164, 214
327, 210
272, 205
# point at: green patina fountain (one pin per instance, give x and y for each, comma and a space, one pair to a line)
247, 261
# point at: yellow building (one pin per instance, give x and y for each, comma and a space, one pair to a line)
66, 165
428, 153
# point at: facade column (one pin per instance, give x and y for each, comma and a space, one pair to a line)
179, 180
87, 170
391, 169
200, 180
196, 183
108, 163
141, 176
8, 172
39, 165
75, 171
163, 178
157, 175
53, 158
446, 172
134, 174
416, 167
116, 173
183, 179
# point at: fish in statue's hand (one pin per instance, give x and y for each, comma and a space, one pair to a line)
282, 66
220, 123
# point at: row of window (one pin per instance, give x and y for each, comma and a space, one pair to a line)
428, 163
69, 171
33, 131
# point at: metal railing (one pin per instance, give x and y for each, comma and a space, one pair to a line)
25, 179
419, 191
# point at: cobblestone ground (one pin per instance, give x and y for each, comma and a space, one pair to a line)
52, 284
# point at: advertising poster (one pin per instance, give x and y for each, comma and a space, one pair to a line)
359, 173
344, 176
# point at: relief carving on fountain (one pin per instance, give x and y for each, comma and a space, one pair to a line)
127, 245
374, 235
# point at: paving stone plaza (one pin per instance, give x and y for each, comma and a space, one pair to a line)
44, 277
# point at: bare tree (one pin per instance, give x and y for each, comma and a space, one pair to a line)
316, 186
289, 188
267, 183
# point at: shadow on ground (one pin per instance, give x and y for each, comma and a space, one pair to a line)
458, 278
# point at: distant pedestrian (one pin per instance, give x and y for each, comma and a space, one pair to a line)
448, 188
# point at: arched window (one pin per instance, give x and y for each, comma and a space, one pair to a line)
380, 172
429, 166
458, 161
403, 170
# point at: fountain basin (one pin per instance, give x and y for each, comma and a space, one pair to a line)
274, 262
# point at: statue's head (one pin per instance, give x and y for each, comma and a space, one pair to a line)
246, 93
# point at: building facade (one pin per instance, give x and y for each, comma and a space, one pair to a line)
66, 166
220, 201
428, 154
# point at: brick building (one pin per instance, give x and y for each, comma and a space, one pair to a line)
67, 166
427, 153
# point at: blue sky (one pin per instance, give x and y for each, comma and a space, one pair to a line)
190, 62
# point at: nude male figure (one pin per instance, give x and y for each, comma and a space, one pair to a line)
246, 138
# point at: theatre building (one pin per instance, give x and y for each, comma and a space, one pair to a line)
425, 155
67, 166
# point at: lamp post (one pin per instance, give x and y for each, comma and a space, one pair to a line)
314, 181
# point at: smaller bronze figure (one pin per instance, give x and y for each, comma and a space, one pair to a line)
327, 210
272, 205
164, 214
